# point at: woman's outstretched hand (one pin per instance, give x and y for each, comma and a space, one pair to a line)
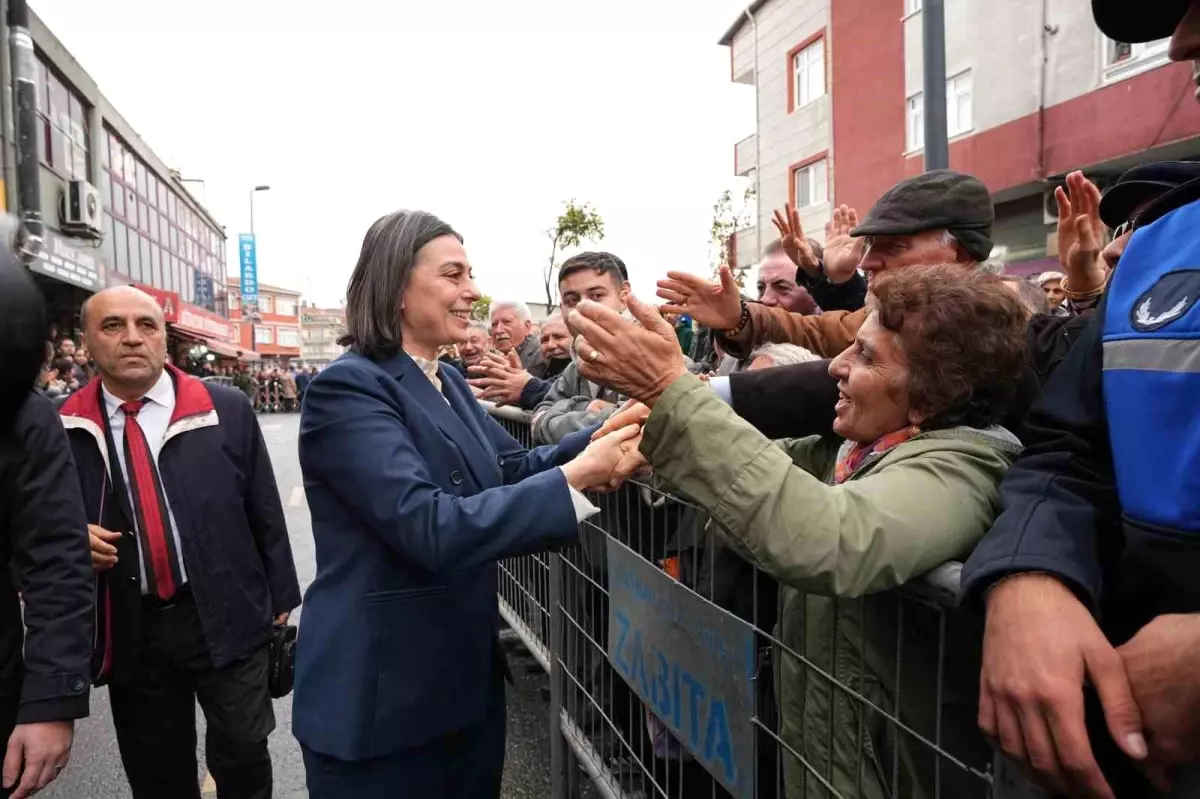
607, 461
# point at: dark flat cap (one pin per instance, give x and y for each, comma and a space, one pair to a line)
1142, 184
940, 199
1138, 20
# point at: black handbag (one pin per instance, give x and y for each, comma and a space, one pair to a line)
281, 670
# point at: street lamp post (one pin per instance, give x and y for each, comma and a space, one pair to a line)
253, 338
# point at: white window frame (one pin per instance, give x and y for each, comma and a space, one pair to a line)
914, 117
808, 67
291, 302
816, 176
264, 334
958, 87
279, 335
266, 303
1143, 56
912, 7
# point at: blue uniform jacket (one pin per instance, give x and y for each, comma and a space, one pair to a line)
414, 496
1106, 495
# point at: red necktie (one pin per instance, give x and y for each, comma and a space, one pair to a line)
163, 575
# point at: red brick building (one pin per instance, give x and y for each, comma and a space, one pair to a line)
276, 336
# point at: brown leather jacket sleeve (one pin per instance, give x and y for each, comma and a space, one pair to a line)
825, 334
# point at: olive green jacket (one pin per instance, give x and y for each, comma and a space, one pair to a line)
837, 550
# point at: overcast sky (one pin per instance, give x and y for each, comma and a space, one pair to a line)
487, 114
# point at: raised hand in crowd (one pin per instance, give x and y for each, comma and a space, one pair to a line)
636, 360
606, 461
843, 252
795, 244
501, 382
1160, 662
1080, 233
1040, 645
716, 305
103, 544
36, 753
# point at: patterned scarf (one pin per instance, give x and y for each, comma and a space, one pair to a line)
853, 456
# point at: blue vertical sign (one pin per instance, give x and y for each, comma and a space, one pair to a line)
248, 257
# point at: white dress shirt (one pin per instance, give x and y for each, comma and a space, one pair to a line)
584, 509
153, 418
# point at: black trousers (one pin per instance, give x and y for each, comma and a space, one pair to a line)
155, 711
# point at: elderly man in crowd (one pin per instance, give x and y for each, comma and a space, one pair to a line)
512, 331
839, 291
501, 379
907, 481
1089, 577
777, 282
1051, 285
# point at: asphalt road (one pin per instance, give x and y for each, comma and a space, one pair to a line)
95, 768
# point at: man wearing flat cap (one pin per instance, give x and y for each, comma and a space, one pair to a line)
939, 217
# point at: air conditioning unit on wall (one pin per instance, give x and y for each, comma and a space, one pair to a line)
81, 211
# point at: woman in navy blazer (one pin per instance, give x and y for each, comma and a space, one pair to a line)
415, 492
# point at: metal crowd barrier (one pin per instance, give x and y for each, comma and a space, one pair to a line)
665, 669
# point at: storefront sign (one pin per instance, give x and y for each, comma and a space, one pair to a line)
248, 256
70, 263
204, 322
167, 300
691, 662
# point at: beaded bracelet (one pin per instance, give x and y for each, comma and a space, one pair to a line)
742, 322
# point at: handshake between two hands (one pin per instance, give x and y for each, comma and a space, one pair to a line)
614, 455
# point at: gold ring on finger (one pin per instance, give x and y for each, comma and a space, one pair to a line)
594, 356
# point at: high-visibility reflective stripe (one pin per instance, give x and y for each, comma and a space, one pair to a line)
1153, 355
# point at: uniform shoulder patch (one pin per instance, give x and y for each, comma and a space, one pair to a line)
1166, 301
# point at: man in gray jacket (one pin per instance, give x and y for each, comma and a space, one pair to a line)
574, 402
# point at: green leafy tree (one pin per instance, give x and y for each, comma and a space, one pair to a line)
577, 223
728, 220
481, 309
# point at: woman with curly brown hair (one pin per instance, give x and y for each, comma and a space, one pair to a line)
908, 482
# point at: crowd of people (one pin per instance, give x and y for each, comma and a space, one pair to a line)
887, 403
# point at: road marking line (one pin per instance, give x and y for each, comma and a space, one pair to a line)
266, 427
297, 498
209, 788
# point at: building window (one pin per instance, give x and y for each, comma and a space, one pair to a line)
265, 304
959, 111
289, 337
958, 104
264, 335
62, 117
911, 7
807, 73
1122, 59
285, 307
810, 184
235, 301
142, 201
915, 138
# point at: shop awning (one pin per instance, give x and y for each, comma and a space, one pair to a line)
215, 345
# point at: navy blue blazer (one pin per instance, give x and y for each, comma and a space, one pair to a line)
414, 496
